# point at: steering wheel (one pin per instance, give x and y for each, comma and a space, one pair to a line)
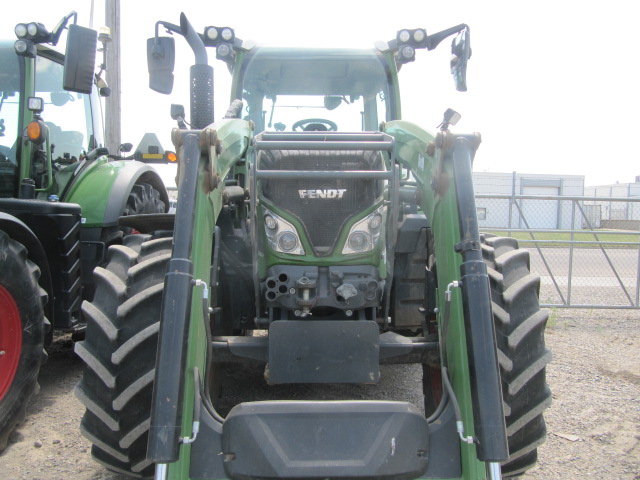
315, 124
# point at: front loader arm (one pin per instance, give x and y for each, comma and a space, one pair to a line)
441, 167
206, 157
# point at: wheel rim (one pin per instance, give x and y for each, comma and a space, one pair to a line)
10, 340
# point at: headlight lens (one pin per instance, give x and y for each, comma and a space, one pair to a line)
21, 46
404, 36
223, 50
227, 34
359, 241
25, 48
282, 236
408, 52
365, 234
212, 33
375, 221
20, 30
32, 29
287, 241
270, 222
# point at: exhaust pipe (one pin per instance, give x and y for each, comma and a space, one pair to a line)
201, 78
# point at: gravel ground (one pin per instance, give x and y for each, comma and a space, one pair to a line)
594, 422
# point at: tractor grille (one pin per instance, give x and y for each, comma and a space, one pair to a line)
322, 205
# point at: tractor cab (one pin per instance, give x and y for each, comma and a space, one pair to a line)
66, 120
316, 89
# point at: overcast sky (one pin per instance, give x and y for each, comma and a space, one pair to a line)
553, 85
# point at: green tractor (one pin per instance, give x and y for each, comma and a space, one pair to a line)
348, 238
61, 195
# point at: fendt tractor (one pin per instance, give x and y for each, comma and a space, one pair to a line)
320, 235
61, 194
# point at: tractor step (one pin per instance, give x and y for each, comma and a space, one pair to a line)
344, 439
326, 440
325, 352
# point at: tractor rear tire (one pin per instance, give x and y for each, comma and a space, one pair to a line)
522, 354
22, 331
143, 199
119, 351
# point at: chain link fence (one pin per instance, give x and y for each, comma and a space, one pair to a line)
586, 249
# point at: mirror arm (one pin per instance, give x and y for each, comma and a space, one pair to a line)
193, 39
55, 35
435, 39
171, 28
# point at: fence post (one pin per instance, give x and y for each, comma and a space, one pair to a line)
573, 229
512, 199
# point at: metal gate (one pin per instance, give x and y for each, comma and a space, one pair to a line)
590, 261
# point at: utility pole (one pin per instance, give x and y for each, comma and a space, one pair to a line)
113, 112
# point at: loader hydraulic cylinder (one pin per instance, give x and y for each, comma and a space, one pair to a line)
166, 413
486, 390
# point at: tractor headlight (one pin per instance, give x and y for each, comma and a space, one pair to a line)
359, 241
211, 33
35, 104
36, 32
270, 222
404, 36
282, 236
223, 51
365, 234
32, 29
20, 30
214, 35
375, 221
419, 35
407, 53
287, 241
25, 48
227, 34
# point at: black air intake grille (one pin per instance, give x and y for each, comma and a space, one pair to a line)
323, 205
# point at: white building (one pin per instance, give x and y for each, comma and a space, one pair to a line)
544, 212
620, 214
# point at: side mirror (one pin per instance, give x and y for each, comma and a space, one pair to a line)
461, 50
80, 59
331, 102
126, 147
161, 54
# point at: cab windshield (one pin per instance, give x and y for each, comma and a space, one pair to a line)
315, 90
67, 115
9, 103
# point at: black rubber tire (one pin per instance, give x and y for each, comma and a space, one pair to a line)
143, 199
19, 281
119, 351
522, 354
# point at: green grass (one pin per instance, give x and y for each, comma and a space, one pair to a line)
556, 239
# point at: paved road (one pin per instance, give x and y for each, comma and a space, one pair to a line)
607, 278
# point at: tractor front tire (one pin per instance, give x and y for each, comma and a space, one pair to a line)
119, 351
522, 354
22, 331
